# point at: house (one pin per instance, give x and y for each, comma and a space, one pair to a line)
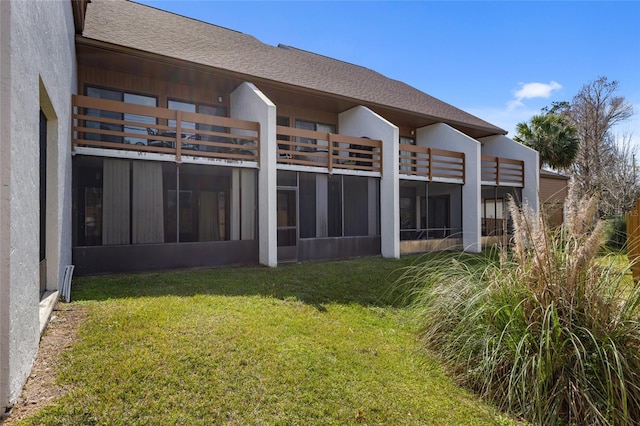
166, 142
37, 80
554, 190
306, 157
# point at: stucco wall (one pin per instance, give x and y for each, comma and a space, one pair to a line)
249, 103
502, 146
37, 71
443, 136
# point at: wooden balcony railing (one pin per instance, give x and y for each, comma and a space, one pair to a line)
432, 163
502, 171
101, 123
333, 151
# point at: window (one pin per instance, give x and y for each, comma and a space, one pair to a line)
318, 127
218, 111
408, 161
115, 95
43, 185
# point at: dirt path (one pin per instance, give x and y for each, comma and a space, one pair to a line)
41, 388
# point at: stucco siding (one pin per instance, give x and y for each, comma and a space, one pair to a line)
361, 121
502, 146
37, 72
249, 103
443, 136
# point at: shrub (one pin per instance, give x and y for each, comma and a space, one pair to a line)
548, 330
616, 233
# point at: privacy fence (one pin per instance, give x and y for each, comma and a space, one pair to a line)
633, 240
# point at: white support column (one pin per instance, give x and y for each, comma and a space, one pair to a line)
374, 194
361, 121
443, 136
249, 103
502, 146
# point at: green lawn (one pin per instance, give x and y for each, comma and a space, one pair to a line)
314, 343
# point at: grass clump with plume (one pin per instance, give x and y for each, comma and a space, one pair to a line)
548, 329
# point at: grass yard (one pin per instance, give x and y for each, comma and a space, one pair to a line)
315, 343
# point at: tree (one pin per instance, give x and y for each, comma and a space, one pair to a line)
594, 111
622, 187
552, 136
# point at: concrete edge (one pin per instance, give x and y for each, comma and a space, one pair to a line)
46, 306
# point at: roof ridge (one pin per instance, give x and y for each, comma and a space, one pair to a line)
191, 19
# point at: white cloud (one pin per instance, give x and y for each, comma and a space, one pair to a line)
531, 91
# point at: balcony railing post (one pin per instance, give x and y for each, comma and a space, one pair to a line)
330, 152
430, 164
74, 111
259, 156
178, 135
464, 168
380, 151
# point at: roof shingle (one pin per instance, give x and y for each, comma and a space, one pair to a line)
145, 28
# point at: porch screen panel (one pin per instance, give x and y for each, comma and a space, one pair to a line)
116, 208
334, 206
307, 201
356, 202
247, 204
148, 207
322, 212
208, 216
205, 201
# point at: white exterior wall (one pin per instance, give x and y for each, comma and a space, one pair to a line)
37, 71
443, 136
361, 121
249, 103
502, 146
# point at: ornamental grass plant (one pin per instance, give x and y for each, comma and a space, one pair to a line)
547, 329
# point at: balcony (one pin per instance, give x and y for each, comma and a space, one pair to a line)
502, 171
432, 164
300, 147
104, 124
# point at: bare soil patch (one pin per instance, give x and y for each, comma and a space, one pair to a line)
41, 388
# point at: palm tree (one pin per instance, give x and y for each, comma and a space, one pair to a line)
553, 136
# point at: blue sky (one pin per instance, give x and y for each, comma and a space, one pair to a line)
501, 61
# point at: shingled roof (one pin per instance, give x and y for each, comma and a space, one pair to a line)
148, 29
